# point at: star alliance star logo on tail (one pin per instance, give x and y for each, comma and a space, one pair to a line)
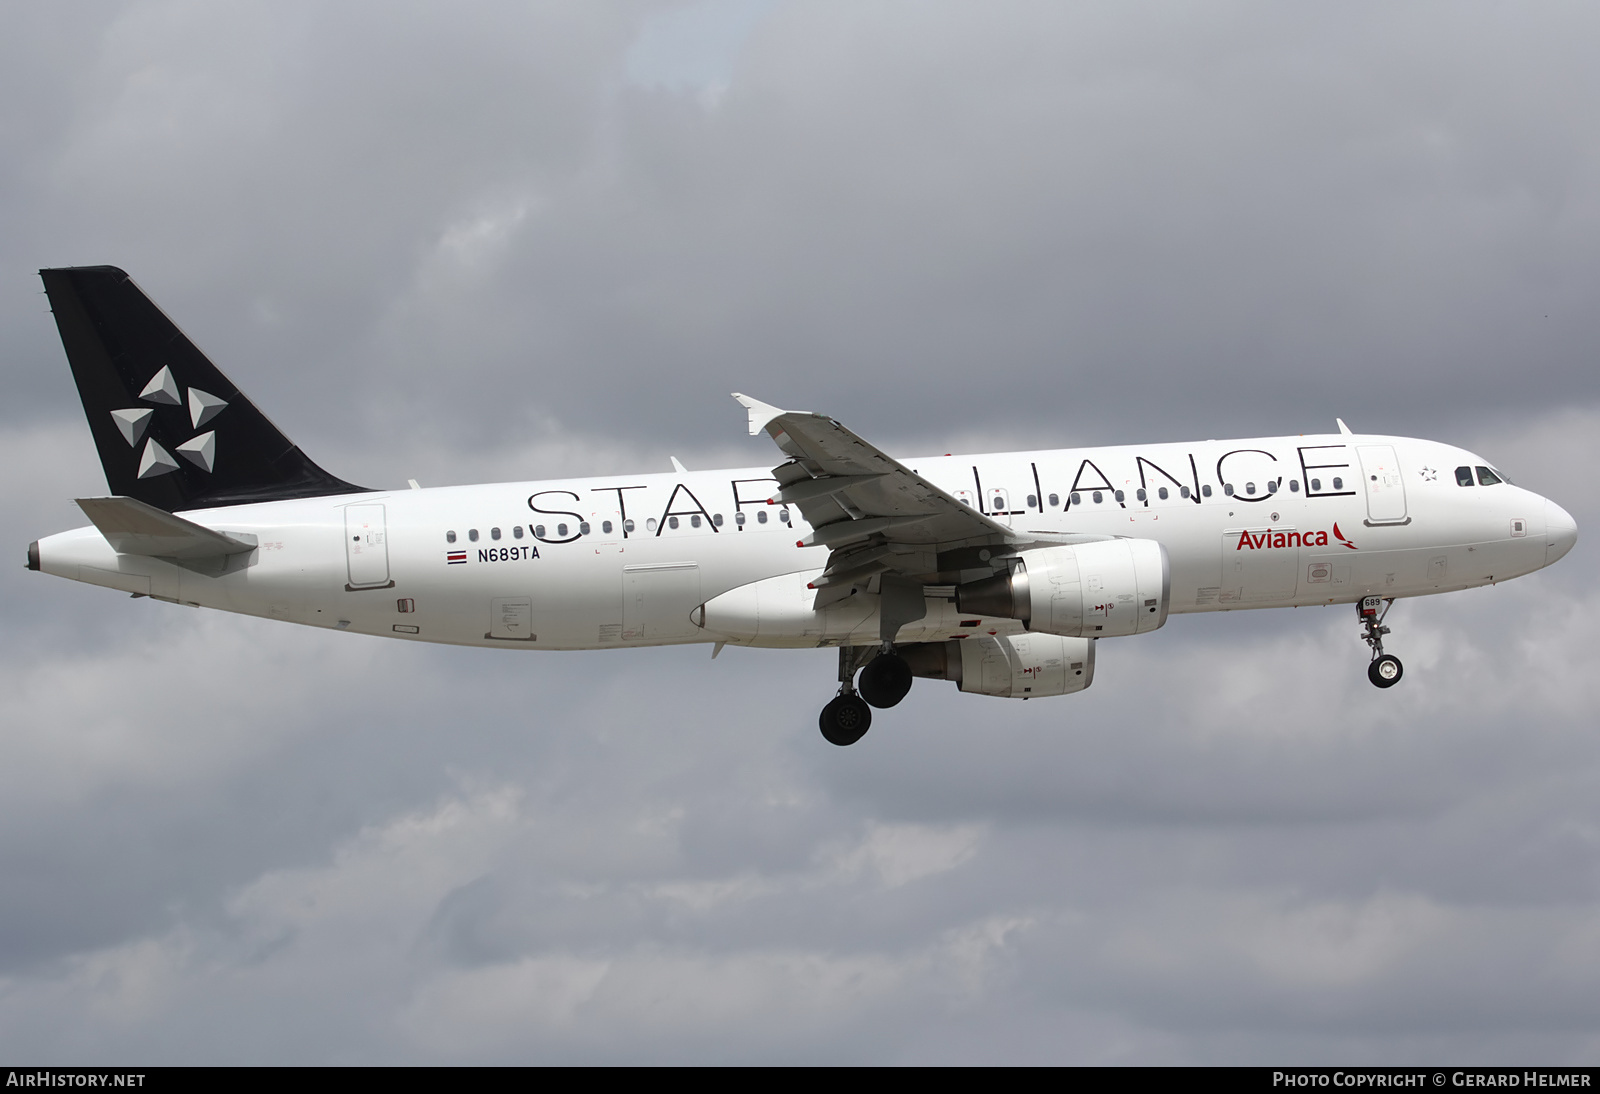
134, 422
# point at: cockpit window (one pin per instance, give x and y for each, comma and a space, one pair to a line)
1463, 476
1487, 477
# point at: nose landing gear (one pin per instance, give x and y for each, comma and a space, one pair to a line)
1385, 670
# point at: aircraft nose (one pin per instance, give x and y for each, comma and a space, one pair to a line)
1561, 531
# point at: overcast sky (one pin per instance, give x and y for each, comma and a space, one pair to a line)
507, 241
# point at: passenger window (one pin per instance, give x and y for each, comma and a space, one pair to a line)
583, 527
449, 537
1272, 487
738, 518
672, 522
494, 533
628, 525
1294, 486
1487, 477
1183, 492
1055, 500
605, 526
1119, 495
1141, 495
1033, 501
1098, 498
1205, 491
694, 520
1249, 488
516, 532
1162, 493
761, 516
650, 525
783, 515
1316, 484
538, 531
1338, 483
1227, 488
1077, 498
999, 505
472, 534
561, 530
717, 520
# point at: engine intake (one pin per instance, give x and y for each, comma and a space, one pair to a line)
1096, 590
1022, 666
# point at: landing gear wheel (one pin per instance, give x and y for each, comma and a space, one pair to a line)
885, 681
1385, 671
845, 720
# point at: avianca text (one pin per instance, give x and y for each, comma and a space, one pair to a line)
1263, 541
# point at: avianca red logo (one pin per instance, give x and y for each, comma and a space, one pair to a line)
1270, 539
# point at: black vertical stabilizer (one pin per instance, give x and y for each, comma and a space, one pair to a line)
172, 430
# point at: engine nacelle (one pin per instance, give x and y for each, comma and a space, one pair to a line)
1019, 666
1096, 590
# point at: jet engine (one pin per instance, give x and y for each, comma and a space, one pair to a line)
1097, 590
1020, 666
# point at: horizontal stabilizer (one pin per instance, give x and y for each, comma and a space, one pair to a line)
134, 528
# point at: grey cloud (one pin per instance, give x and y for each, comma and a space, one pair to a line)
466, 245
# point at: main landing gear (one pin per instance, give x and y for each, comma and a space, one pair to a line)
1385, 670
885, 681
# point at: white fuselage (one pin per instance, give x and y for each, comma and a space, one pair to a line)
1309, 520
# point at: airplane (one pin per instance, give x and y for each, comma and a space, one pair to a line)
998, 572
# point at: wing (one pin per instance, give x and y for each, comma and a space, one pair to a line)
877, 516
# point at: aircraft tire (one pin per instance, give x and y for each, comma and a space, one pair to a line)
845, 720
1385, 671
885, 681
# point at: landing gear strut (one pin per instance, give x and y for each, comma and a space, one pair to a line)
1385, 670
846, 719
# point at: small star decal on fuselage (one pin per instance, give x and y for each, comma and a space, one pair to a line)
1429, 474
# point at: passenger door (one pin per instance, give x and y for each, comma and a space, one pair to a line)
366, 547
1386, 490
